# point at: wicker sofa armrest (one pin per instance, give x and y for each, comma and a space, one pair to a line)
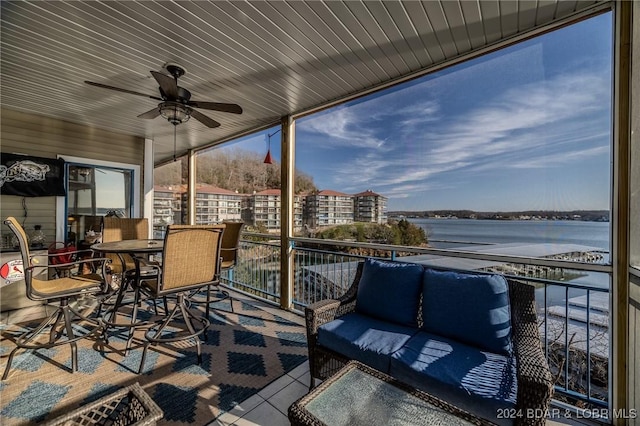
535, 383
320, 313
324, 311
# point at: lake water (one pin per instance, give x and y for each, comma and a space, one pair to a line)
463, 231
457, 233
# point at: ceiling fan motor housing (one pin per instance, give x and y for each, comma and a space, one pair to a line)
175, 70
183, 95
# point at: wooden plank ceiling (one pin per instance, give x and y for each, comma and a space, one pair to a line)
273, 58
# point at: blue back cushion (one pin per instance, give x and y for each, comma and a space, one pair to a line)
390, 291
471, 308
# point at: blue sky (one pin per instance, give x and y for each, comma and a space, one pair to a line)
527, 127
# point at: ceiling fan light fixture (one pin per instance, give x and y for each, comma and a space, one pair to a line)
175, 112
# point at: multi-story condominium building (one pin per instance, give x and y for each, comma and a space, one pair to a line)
298, 206
167, 202
214, 205
369, 207
327, 207
263, 209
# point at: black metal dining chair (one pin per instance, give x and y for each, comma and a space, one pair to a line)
61, 326
190, 261
229, 257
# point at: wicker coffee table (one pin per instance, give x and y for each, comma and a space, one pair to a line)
359, 395
129, 406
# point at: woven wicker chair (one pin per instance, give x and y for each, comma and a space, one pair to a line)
59, 325
535, 383
190, 261
229, 255
124, 266
119, 229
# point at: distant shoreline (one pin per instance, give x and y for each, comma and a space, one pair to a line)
576, 215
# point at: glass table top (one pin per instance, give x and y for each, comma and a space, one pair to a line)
358, 398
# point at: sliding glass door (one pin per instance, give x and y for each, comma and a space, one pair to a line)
95, 189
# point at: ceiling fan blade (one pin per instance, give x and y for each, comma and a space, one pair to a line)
153, 113
216, 106
167, 84
104, 86
209, 122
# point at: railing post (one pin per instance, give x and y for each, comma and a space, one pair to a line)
287, 142
620, 390
191, 188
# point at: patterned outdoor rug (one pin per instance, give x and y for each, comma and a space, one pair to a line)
244, 352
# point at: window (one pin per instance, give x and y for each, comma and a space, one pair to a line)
95, 189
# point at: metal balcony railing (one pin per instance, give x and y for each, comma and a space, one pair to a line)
572, 296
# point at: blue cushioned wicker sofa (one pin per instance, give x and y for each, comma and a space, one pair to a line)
468, 338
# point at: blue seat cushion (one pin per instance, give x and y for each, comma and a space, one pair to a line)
368, 340
390, 291
470, 308
477, 381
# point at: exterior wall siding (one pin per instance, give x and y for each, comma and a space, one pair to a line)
29, 134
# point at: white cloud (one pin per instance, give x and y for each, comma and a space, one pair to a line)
405, 141
358, 126
493, 129
342, 128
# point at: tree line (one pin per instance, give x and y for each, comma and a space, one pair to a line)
232, 169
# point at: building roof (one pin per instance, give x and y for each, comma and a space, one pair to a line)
368, 193
170, 188
330, 192
210, 189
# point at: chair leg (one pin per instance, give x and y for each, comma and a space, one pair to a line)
113, 318
207, 308
54, 333
187, 320
71, 336
108, 295
9, 361
134, 316
209, 301
144, 357
180, 309
230, 301
61, 323
161, 327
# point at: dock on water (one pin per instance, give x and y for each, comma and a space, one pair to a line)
569, 252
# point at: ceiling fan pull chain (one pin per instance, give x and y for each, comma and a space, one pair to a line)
174, 143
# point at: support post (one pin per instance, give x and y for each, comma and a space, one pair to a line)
287, 142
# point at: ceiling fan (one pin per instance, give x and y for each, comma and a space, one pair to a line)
176, 104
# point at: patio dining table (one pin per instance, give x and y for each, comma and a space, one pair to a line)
134, 248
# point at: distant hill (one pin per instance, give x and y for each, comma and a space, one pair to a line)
233, 169
584, 215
